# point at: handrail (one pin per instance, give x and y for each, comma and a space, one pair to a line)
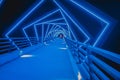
86, 55
7, 49
107, 54
4, 43
21, 37
20, 42
111, 71
4, 46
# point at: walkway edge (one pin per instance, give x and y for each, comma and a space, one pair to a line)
74, 66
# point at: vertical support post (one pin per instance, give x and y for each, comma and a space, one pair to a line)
36, 33
42, 33
47, 31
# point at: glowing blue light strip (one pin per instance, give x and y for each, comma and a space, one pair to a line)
53, 12
13, 43
42, 33
89, 12
61, 28
50, 13
58, 30
20, 38
22, 43
68, 25
47, 31
50, 21
107, 23
44, 18
54, 23
27, 36
18, 23
50, 30
58, 27
100, 36
73, 22
54, 28
36, 33
43, 23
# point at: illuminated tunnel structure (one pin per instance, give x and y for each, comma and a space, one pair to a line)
82, 38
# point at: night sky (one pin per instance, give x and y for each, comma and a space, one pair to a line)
11, 10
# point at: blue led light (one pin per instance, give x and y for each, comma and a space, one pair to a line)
47, 15
88, 38
12, 29
42, 22
36, 33
100, 36
68, 26
50, 30
56, 27
47, 31
42, 32
50, 21
35, 22
46, 21
53, 29
19, 22
27, 36
61, 27
95, 15
13, 43
59, 30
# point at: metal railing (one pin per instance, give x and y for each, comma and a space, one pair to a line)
92, 63
21, 42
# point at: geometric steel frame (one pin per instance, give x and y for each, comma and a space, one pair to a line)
93, 14
62, 11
